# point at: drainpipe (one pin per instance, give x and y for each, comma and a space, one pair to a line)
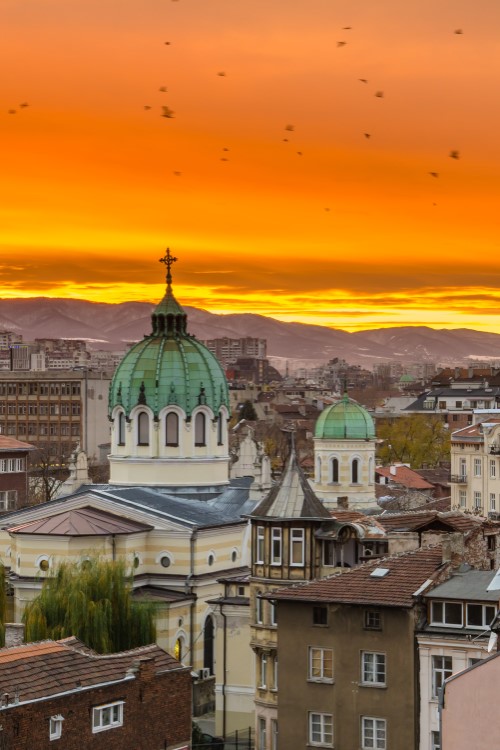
189, 590
224, 661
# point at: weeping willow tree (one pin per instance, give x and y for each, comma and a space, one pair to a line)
91, 600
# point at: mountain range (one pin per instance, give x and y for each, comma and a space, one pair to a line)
109, 326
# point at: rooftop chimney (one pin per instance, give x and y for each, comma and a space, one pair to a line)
343, 502
14, 634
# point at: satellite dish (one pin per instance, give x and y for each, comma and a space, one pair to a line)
492, 642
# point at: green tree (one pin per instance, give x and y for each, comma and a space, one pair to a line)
91, 600
247, 412
416, 439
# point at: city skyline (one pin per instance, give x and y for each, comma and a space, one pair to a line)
332, 162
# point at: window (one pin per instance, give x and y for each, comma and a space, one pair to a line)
259, 545
373, 620
373, 733
447, 613
320, 664
320, 616
259, 604
143, 428
172, 429
275, 546
477, 499
477, 467
262, 734
458, 404
107, 717
355, 471
442, 405
263, 671
220, 429
334, 471
435, 741
493, 468
441, 670
297, 547
372, 668
121, 428
328, 552
493, 503
275, 672
320, 729
272, 613
274, 734
462, 498
55, 727
200, 429
479, 615
8, 499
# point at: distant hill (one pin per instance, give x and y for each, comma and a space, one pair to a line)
108, 326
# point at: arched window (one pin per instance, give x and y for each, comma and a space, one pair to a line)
172, 429
220, 429
334, 470
121, 428
143, 428
200, 422
179, 648
208, 644
355, 471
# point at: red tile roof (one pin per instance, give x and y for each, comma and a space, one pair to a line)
36, 670
414, 520
405, 476
11, 444
407, 573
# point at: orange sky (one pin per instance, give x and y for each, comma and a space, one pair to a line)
90, 198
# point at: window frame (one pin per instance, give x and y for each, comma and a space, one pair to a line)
299, 541
374, 740
320, 660
325, 729
260, 537
143, 425
485, 620
370, 668
263, 662
320, 615
200, 429
55, 727
172, 423
443, 671
440, 622
375, 613
99, 711
276, 545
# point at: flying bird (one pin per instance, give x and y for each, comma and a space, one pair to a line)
177, 174
327, 209
167, 43
291, 128
163, 89
299, 153
367, 135
221, 73
346, 28
167, 112
285, 140
24, 104
455, 154
434, 174
225, 149
341, 44
223, 158
12, 111
458, 31
363, 80
380, 94
147, 106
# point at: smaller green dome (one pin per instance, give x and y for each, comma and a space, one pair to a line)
345, 420
406, 378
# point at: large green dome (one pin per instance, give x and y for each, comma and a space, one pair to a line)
345, 420
169, 366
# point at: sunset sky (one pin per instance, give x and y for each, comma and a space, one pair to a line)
328, 226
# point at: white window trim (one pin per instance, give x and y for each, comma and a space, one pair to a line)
375, 745
374, 682
56, 732
324, 717
301, 540
443, 622
259, 545
97, 712
277, 536
321, 678
439, 670
478, 604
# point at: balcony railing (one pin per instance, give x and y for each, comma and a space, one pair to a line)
495, 450
458, 478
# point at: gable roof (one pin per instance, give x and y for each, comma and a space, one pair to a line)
405, 476
11, 444
39, 670
419, 519
407, 573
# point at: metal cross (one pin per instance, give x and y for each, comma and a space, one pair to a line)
168, 260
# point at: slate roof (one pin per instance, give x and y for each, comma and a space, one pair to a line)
468, 585
407, 573
405, 476
414, 520
293, 497
81, 522
37, 670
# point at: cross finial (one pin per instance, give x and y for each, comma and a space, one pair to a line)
168, 260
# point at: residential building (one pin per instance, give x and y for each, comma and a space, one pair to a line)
456, 402
455, 636
475, 467
62, 694
348, 665
402, 475
228, 350
13, 473
469, 707
55, 411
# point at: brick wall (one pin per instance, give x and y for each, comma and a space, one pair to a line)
156, 716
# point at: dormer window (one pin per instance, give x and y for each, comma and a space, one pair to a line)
447, 613
479, 615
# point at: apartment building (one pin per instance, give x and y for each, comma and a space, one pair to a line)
475, 466
56, 411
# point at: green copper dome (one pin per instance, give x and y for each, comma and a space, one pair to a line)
345, 420
169, 366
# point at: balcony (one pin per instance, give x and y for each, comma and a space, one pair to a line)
495, 450
458, 478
